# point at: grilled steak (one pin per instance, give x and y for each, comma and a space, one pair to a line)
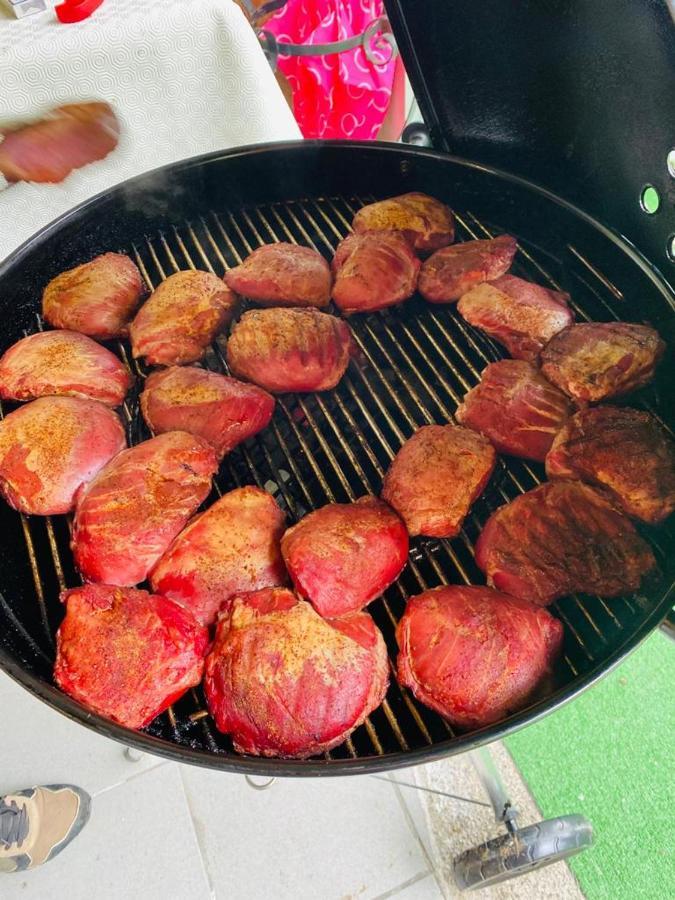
474, 655
289, 349
453, 271
53, 446
127, 654
181, 318
426, 222
219, 409
345, 554
373, 271
520, 315
97, 298
231, 548
517, 409
597, 360
625, 451
436, 476
283, 275
130, 513
283, 681
62, 363
560, 538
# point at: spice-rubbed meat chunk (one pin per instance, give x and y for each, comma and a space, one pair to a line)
516, 408
283, 275
97, 298
181, 318
127, 654
53, 446
289, 349
426, 222
130, 513
597, 360
559, 538
62, 363
520, 315
453, 271
625, 451
222, 410
436, 476
283, 681
373, 271
474, 655
231, 548
342, 556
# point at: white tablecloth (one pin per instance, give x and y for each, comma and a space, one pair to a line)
184, 76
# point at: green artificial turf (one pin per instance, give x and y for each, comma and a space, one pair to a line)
610, 755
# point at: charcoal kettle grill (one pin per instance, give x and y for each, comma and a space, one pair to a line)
547, 121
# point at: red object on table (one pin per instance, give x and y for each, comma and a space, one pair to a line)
76, 10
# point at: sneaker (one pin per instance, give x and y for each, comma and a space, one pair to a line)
36, 824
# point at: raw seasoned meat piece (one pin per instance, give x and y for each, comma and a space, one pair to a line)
53, 446
283, 275
520, 315
560, 538
181, 318
231, 548
345, 554
453, 271
127, 654
517, 409
426, 222
372, 271
474, 655
436, 476
62, 363
289, 349
625, 451
219, 409
97, 298
597, 360
283, 681
128, 516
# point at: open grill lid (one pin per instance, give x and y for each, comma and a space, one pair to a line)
576, 95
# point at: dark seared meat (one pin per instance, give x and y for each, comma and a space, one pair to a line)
453, 271
625, 451
598, 360
426, 222
373, 271
560, 538
282, 275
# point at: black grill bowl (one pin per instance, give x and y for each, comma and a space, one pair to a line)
414, 365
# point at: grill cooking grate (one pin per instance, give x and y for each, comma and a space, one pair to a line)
413, 366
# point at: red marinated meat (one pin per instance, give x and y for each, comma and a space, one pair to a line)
520, 315
181, 318
289, 349
453, 271
373, 271
130, 513
53, 446
97, 298
436, 476
219, 409
426, 222
475, 655
345, 554
598, 360
127, 654
283, 681
283, 275
64, 363
625, 451
231, 548
517, 409
560, 538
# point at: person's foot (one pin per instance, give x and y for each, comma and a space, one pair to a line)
36, 824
